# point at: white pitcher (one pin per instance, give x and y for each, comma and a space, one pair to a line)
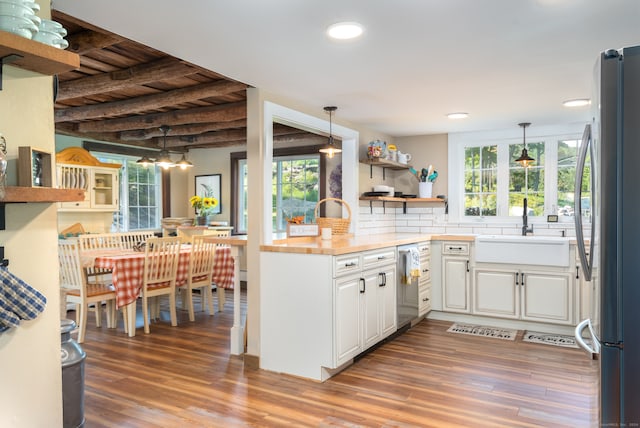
404, 157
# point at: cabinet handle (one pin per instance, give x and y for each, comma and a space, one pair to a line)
350, 264
381, 257
455, 248
467, 265
522, 279
363, 285
383, 277
425, 270
517, 275
426, 299
577, 276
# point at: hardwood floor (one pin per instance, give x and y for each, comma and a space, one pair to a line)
184, 377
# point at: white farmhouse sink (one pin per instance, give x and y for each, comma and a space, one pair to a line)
530, 250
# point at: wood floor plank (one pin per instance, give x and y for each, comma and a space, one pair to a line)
184, 377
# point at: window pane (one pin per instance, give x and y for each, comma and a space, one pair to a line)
481, 167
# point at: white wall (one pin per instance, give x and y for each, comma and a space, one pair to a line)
31, 393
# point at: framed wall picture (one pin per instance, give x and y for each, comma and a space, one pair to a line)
209, 186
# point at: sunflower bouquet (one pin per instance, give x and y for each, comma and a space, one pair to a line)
203, 204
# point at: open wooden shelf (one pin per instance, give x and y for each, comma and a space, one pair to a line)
17, 194
35, 56
384, 164
404, 201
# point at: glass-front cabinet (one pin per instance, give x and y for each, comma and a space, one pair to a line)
76, 168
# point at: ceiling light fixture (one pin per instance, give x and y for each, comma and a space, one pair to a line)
164, 160
525, 160
345, 30
330, 149
578, 102
183, 163
144, 161
458, 115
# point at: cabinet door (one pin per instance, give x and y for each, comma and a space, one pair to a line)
547, 297
74, 177
104, 189
455, 293
496, 293
387, 302
424, 298
347, 334
371, 326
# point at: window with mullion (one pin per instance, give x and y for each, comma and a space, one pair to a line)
480, 181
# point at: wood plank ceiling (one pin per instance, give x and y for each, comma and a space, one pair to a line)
124, 91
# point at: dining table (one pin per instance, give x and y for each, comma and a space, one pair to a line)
127, 270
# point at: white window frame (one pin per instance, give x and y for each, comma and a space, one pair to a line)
550, 135
124, 190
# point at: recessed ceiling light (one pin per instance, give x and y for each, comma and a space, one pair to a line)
459, 115
578, 102
345, 30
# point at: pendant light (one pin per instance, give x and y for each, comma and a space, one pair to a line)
525, 160
164, 160
184, 163
144, 161
330, 149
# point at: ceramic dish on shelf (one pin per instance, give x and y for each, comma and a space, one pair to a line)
375, 194
18, 25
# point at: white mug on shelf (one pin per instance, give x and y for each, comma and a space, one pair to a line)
404, 157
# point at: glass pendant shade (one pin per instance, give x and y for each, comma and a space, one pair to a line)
330, 149
184, 163
525, 160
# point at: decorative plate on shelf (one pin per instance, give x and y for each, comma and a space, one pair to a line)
375, 194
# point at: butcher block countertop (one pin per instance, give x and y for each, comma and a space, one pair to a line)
344, 244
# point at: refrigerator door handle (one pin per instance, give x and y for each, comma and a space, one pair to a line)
577, 211
584, 345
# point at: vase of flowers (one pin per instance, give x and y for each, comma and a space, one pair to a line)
204, 207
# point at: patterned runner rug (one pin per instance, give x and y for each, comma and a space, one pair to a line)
550, 339
479, 330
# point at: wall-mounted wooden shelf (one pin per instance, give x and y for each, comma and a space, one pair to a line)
384, 164
19, 194
404, 201
34, 56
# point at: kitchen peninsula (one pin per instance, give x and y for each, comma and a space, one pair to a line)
324, 302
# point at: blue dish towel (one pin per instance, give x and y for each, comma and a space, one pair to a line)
18, 300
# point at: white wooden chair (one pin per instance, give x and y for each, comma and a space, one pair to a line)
200, 273
219, 290
98, 241
131, 239
160, 270
73, 280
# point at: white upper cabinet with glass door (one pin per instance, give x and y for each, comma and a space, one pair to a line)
76, 168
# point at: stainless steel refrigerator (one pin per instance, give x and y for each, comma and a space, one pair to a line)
610, 254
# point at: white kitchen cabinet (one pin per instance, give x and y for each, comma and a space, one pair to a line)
319, 311
456, 277
78, 169
424, 283
347, 326
530, 294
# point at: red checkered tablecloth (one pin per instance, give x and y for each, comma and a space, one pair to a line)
127, 268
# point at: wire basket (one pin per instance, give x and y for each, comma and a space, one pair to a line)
339, 226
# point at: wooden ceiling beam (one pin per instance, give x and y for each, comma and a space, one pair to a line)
220, 113
148, 102
162, 69
190, 129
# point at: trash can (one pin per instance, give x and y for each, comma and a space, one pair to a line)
73, 357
